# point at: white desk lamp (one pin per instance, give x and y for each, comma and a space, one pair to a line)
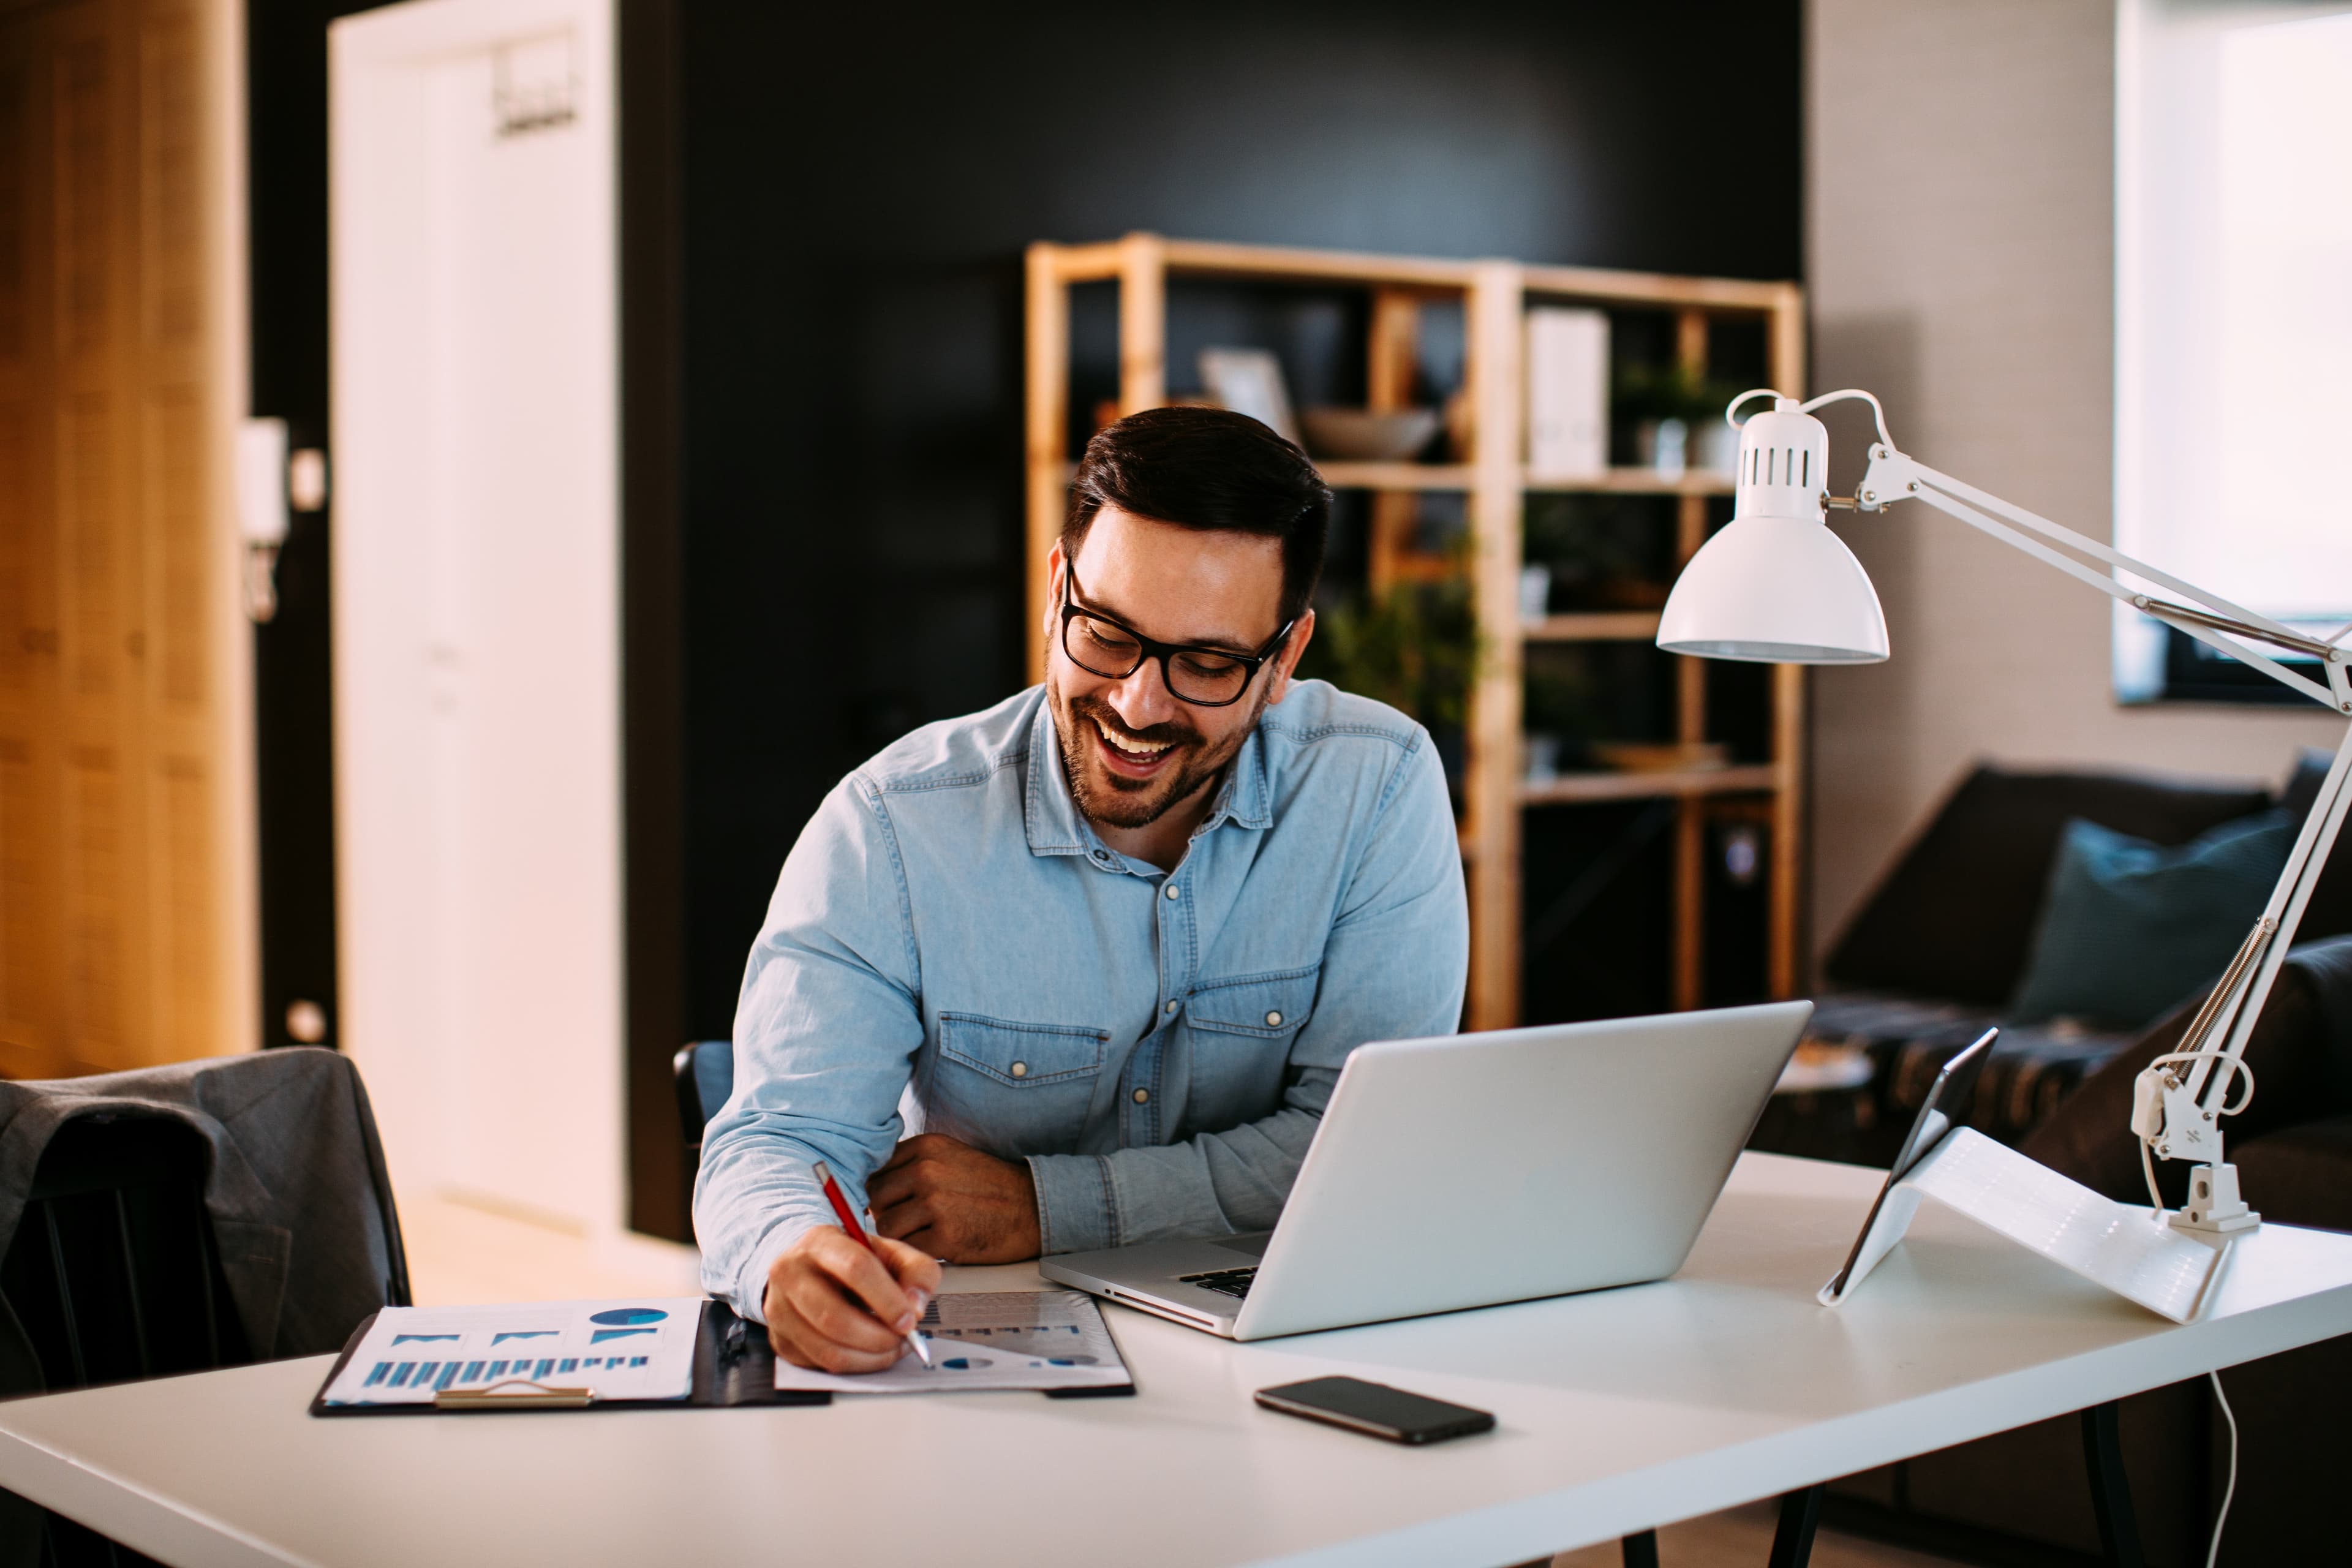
1775, 585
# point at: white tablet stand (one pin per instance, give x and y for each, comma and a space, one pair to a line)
2128, 1249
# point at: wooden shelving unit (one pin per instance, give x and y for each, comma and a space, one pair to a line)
1495, 481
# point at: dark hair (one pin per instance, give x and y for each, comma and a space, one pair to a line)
1211, 469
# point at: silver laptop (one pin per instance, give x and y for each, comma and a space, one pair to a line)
1476, 1169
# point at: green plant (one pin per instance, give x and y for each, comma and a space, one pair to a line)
1580, 540
1668, 392
1414, 647
1560, 699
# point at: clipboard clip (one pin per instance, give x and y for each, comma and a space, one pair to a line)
525, 1396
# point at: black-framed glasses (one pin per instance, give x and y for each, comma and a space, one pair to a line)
1204, 677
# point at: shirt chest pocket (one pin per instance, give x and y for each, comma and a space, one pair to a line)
1013, 1089
1022, 1056
1270, 1006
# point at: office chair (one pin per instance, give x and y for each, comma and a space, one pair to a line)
706, 1076
112, 1274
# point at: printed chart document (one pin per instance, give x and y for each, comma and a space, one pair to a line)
991, 1339
636, 1349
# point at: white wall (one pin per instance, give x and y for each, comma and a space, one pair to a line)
1960, 251
477, 598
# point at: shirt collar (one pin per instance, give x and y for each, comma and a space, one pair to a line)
1051, 816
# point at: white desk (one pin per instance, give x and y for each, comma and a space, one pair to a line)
1617, 1410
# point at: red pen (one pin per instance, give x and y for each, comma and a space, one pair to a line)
849, 1223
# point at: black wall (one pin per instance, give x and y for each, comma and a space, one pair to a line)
824, 214
858, 191
286, 134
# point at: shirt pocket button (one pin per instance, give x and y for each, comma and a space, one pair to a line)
1274, 1020
1020, 1070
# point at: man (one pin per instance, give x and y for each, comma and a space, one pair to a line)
1100, 950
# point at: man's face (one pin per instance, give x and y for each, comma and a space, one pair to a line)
1130, 748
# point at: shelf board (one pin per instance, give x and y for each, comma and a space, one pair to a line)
1213, 258
1594, 626
1569, 788
1352, 475
1732, 295
1356, 476
1632, 481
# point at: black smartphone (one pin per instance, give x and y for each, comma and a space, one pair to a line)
1376, 1409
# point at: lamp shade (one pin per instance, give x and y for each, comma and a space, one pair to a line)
1775, 585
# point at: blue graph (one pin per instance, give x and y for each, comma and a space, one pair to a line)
629, 1315
601, 1335
420, 1339
497, 1340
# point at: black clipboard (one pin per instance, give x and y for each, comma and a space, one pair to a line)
733, 1368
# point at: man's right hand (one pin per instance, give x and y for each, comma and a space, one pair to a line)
832, 1305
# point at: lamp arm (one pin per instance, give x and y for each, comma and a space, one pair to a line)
2182, 1097
2210, 619
2216, 631
2282, 913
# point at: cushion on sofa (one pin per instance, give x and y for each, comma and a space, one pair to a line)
2301, 1055
2129, 928
1955, 917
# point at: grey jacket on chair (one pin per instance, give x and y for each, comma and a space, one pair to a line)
300, 1204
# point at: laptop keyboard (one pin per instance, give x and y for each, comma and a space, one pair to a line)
1235, 1282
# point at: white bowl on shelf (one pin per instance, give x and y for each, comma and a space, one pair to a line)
1364, 436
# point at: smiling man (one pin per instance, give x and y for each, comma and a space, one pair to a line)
1081, 970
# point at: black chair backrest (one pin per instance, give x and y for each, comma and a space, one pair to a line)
706, 1076
112, 1274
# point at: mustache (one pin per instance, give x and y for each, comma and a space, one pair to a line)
1154, 736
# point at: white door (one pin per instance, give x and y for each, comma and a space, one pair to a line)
477, 607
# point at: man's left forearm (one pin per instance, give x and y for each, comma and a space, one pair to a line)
1212, 1184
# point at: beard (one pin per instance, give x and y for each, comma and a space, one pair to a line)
1113, 801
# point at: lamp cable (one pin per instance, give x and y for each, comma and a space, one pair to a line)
1877, 410
2229, 1490
2147, 1169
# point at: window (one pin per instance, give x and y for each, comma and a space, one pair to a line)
2233, 344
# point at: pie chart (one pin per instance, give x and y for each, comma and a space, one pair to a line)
629, 1315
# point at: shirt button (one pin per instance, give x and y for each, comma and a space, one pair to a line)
1274, 1020
1020, 1070
1172, 889
1171, 1006
1142, 1096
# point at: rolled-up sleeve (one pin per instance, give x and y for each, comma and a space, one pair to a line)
826, 1030
1394, 967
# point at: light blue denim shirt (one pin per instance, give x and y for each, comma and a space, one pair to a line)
952, 948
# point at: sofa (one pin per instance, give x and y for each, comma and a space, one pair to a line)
1930, 959
1936, 951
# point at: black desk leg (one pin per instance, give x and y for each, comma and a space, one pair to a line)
1793, 1543
1641, 1551
2103, 1451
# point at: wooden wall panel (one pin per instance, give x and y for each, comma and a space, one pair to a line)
117, 895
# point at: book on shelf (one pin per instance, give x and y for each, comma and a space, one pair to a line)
1568, 391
